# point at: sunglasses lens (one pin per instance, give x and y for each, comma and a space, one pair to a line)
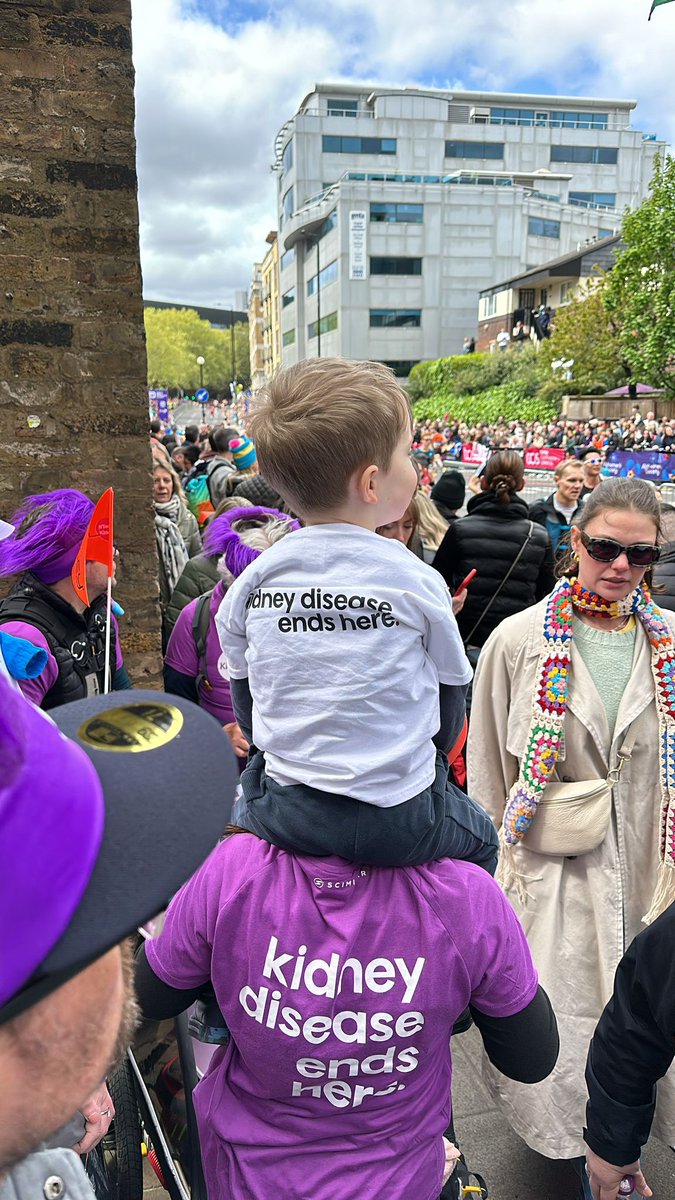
642, 556
603, 549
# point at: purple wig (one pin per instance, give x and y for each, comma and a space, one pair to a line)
220, 538
48, 546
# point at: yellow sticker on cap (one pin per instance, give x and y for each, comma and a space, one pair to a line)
132, 728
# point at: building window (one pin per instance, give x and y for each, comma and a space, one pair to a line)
411, 214
288, 337
491, 305
603, 233
287, 157
512, 116
395, 318
395, 266
286, 207
400, 366
329, 223
526, 298
578, 120
287, 258
456, 149
325, 325
338, 107
288, 298
343, 144
538, 227
593, 199
326, 276
606, 155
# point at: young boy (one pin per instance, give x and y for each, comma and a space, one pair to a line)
346, 666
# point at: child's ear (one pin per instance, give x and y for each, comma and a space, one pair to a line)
365, 484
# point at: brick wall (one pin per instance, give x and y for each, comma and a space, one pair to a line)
73, 404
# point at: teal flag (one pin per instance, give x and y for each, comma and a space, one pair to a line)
655, 4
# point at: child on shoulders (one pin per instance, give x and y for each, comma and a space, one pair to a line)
346, 666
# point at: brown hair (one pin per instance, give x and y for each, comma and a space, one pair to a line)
636, 495
318, 422
503, 475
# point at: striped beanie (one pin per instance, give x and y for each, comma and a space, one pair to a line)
243, 452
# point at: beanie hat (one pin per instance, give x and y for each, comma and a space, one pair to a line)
449, 490
49, 544
243, 452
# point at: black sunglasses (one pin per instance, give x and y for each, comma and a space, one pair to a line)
606, 550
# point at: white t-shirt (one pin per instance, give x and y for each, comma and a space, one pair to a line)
344, 637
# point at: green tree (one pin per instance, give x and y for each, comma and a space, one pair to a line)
584, 335
177, 337
641, 287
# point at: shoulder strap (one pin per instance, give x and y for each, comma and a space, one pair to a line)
514, 564
201, 619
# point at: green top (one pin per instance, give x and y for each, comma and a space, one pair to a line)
608, 654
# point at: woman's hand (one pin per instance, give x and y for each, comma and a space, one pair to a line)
458, 600
239, 743
98, 1112
451, 1156
605, 1177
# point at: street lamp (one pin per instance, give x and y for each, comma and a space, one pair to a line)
200, 364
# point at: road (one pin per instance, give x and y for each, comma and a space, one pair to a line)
512, 1171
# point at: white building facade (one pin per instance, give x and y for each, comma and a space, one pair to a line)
397, 207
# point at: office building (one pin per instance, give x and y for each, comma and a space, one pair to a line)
397, 207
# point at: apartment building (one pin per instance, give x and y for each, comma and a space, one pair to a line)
397, 207
263, 316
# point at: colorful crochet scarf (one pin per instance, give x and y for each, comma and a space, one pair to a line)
545, 736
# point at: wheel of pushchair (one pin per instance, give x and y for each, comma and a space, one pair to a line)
121, 1147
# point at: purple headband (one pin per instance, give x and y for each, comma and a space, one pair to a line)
221, 538
49, 835
49, 546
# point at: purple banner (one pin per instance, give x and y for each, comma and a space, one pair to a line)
641, 464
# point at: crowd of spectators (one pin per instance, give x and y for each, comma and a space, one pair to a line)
631, 432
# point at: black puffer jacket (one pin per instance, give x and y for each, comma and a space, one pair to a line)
488, 538
663, 577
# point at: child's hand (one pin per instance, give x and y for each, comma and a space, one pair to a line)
451, 1156
239, 743
458, 600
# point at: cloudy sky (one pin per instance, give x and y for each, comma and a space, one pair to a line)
215, 80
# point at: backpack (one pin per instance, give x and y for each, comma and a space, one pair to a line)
198, 494
201, 620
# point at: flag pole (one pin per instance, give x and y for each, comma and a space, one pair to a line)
108, 620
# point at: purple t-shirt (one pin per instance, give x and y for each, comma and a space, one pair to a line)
340, 985
181, 654
35, 690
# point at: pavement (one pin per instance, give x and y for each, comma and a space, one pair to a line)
512, 1171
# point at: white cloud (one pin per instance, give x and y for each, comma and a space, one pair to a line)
215, 80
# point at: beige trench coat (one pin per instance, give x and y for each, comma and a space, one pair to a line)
580, 914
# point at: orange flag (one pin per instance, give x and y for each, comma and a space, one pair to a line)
97, 545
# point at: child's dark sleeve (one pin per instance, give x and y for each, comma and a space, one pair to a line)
453, 711
242, 703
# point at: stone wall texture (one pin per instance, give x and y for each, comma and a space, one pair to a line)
73, 399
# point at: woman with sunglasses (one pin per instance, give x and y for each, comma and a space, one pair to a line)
560, 690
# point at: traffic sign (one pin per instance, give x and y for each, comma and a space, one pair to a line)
201, 396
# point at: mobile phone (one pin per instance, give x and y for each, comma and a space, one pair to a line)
466, 581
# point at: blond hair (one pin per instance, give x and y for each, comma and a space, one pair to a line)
565, 466
430, 524
320, 421
175, 478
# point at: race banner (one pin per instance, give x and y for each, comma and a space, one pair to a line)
641, 464
543, 458
475, 454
